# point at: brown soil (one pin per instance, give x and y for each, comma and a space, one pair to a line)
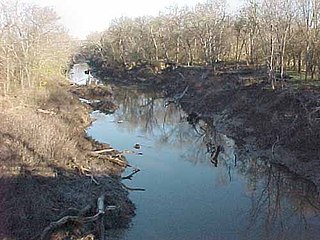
50, 169
282, 124
92, 92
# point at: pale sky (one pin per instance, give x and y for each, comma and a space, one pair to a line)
84, 17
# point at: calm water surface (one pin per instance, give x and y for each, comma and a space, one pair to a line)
186, 196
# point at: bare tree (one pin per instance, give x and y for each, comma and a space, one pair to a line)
282, 34
32, 45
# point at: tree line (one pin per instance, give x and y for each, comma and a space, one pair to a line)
281, 34
34, 46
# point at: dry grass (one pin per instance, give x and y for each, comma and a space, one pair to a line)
40, 137
42, 148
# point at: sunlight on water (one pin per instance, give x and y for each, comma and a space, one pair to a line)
78, 76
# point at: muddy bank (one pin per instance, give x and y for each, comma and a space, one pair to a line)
280, 125
52, 174
97, 97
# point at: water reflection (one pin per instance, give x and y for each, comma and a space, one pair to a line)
169, 125
241, 198
80, 74
282, 204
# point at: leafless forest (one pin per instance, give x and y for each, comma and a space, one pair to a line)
34, 46
280, 34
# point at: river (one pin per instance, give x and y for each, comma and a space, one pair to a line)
188, 197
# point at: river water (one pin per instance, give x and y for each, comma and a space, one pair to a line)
188, 197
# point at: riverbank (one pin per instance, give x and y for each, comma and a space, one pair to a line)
279, 125
51, 171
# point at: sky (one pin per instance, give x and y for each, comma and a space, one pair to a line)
84, 17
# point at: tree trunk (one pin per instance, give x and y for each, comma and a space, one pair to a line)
271, 70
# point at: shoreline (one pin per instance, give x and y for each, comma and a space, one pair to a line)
278, 125
52, 170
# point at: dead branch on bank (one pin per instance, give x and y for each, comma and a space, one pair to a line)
110, 158
181, 75
53, 226
93, 179
103, 151
180, 96
274, 145
87, 172
39, 110
132, 189
135, 171
177, 98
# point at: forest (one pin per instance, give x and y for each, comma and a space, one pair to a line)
280, 34
34, 46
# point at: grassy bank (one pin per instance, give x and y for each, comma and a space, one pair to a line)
48, 169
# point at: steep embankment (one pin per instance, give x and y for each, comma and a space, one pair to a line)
281, 125
50, 169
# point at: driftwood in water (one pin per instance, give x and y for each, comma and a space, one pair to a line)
132, 189
135, 171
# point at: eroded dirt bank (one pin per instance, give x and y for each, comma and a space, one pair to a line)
52, 174
280, 125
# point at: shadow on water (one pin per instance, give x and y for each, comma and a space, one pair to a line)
245, 198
